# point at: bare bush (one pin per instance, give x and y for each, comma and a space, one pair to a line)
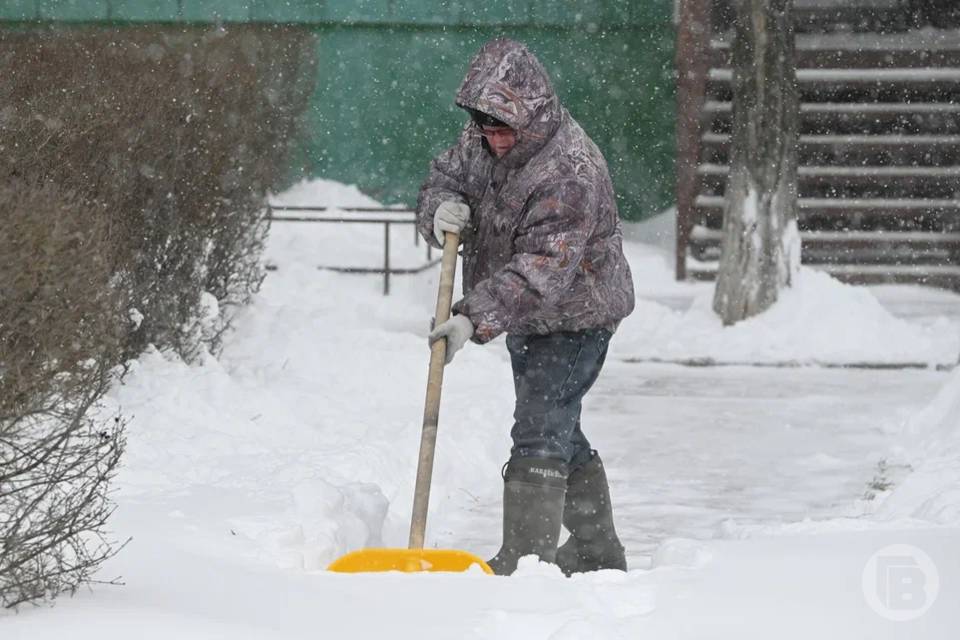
176, 134
60, 331
135, 163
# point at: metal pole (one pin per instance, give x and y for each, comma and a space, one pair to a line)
386, 258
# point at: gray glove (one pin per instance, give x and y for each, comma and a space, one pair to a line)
457, 330
450, 216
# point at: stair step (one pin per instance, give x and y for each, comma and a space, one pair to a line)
840, 206
887, 150
866, 172
943, 179
902, 84
860, 247
703, 234
862, 76
867, 109
878, 147
943, 276
928, 48
840, 16
853, 213
900, 272
871, 142
858, 118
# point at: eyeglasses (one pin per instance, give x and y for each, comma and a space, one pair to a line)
493, 132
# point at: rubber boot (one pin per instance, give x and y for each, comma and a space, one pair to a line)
588, 516
533, 491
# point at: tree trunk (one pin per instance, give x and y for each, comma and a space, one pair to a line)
760, 253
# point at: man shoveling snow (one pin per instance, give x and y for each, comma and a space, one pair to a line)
531, 197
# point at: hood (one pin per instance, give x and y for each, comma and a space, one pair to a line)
507, 82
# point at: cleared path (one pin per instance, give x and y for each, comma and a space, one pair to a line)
700, 452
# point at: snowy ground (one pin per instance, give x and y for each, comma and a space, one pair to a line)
751, 499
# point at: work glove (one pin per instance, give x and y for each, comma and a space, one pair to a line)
450, 216
457, 330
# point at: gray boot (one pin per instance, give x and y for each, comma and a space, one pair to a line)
588, 516
533, 491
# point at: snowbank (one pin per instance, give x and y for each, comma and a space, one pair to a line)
322, 193
334, 244
818, 321
931, 491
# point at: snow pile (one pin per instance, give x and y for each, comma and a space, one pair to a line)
322, 522
323, 193
335, 244
197, 430
931, 492
681, 552
818, 321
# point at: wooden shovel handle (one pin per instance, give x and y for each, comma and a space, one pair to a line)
431, 410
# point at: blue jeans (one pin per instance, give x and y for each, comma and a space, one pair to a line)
551, 374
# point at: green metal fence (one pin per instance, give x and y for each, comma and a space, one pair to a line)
388, 71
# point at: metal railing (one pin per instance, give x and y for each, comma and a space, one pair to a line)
361, 215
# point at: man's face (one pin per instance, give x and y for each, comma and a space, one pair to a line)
500, 139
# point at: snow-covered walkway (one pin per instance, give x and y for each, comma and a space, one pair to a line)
704, 452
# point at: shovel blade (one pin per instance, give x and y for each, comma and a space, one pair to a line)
407, 560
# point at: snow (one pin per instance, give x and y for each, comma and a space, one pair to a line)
896, 140
791, 248
931, 492
741, 493
701, 233
854, 108
925, 39
863, 204
708, 168
909, 75
750, 207
322, 193
341, 244
818, 321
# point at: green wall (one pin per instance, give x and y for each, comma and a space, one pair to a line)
388, 71
384, 105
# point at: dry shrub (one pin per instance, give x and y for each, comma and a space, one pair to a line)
176, 135
61, 330
134, 165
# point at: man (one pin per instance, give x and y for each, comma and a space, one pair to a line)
530, 195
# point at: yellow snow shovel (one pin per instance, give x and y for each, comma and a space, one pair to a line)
416, 558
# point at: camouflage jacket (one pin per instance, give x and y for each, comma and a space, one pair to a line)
543, 249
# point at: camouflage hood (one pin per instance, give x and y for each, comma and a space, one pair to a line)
542, 250
506, 81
